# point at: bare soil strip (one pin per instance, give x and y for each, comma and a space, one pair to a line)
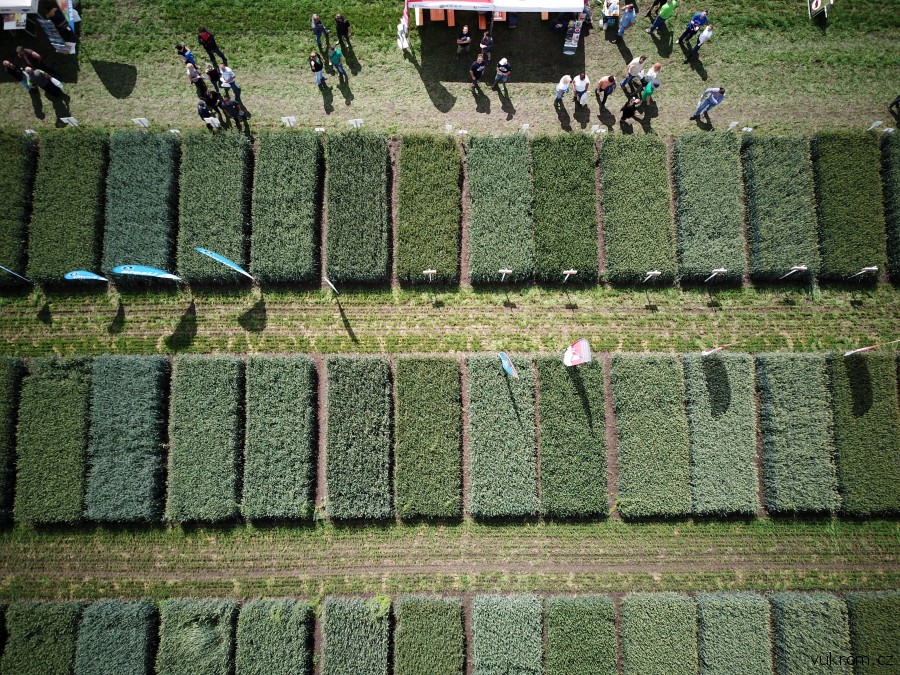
612, 442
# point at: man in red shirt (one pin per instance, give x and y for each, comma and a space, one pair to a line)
208, 41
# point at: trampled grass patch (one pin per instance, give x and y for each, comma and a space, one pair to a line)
507, 635
811, 629
286, 200
849, 197
356, 636
41, 637
733, 632
10, 375
866, 431
659, 634
64, 233
196, 637
16, 176
721, 411
141, 200
205, 436
126, 455
358, 456
710, 210
429, 209
781, 205
796, 420
502, 456
565, 216
428, 464
501, 233
274, 637
581, 635
281, 436
116, 637
573, 439
213, 205
358, 231
652, 429
637, 222
874, 631
51, 441
428, 636
890, 172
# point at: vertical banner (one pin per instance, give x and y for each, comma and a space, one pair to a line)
59, 45
65, 6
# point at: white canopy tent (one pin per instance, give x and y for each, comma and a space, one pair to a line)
7, 6
501, 5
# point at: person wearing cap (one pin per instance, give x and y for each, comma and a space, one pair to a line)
710, 99
697, 22
702, 40
208, 41
606, 85
503, 70
626, 21
666, 13
652, 75
318, 29
344, 31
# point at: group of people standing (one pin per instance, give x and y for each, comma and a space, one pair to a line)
30, 72
224, 96
479, 65
334, 52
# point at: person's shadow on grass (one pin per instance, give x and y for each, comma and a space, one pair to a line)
327, 99
440, 96
582, 115
565, 122
482, 102
607, 118
37, 102
506, 104
663, 40
625, 52
344, 87
352, 62
704, 122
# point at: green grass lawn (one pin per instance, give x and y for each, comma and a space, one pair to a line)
781, 70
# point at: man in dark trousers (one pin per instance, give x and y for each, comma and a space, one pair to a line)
463, 42
28, 58
343, 29
476, 70
208, 41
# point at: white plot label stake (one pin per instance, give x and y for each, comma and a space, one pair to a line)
652, 274
568, 273
796, 269
430, 274
716, 272
866, 270
503, 274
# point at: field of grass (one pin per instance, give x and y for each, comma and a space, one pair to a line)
120, 74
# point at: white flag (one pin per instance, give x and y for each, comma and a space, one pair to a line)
577, 353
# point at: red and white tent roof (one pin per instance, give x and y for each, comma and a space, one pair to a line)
501, 5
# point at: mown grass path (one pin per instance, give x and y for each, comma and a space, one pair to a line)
244, 561
531, 319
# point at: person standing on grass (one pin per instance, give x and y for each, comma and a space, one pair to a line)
606, 85
709, 100
28, 58
666, 13
463, 42
562, 89
344, 31
214, 76
213, 100
702, 40
629, 110
318, 29
233, 109
626, 21
580, 84
697, 22
476, 70
635, 70
229, 84
337, 60
486, 44
204, 112
208, 41
197, 80
41, 79
895, 105
503, 71
647, 93
185, 54
317, 68
17, 74
609, 13
652, 75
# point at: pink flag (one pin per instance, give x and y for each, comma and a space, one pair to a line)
707, 352
865, 349
577, 353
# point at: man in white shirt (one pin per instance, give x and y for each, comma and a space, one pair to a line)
702, 40
635, 70
229, 83
710, 99
581, 84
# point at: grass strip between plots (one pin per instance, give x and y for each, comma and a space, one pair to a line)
428, 454
501, 232
286, 200
652, 429
429, 210
710, 209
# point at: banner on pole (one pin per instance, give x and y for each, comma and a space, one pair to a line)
144, 271
870, 347
83, 275
65, 6
508, 366
225, 261
707, 352
577, 353
9, 271
59, 45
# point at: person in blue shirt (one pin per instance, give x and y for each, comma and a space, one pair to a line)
710, 99
626, 21
695, 24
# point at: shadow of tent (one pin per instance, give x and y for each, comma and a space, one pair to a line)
118, 78
254, 319
186, 330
